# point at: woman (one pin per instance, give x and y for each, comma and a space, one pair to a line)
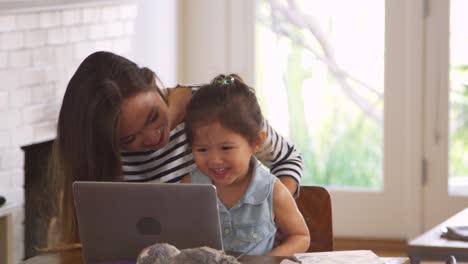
117, 123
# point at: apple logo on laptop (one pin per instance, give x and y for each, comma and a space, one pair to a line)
148, 226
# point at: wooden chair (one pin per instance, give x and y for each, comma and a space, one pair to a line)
315, 205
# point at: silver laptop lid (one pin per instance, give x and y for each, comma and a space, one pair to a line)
117, 220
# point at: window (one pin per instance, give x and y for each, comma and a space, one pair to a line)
319, 77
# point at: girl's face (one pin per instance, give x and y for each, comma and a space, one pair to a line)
222, 154
144, 122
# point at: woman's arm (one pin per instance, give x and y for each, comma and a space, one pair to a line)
291, 223
186, 179
284, 161
290, 184
177, 100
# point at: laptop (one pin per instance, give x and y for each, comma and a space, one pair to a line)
117, 220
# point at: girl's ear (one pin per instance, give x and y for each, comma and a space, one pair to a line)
258, 141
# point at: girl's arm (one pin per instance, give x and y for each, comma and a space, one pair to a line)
285, 162
290, 222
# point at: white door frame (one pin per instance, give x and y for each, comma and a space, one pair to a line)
438, 205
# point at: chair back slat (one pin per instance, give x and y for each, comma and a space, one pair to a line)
315, 205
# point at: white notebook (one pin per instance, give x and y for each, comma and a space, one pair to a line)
338, 257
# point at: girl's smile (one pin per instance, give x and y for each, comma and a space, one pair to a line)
220, 173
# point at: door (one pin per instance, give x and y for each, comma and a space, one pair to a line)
341, 79
445, 190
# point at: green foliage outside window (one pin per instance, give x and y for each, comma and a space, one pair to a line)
345, 148
459, 121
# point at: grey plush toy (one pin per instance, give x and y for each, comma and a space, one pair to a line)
168, 254
157, 254
203, 255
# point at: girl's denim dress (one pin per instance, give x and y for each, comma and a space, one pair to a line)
248, 226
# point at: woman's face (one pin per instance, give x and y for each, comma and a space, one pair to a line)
144, 122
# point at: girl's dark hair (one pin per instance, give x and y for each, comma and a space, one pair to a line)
87, 144
229, 101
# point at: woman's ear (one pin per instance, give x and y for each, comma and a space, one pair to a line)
258, 141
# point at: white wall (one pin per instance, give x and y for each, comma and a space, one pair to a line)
190, 42
213, 42
155, 43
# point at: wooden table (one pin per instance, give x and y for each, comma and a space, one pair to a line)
74, 257
6, 232
430, 246
439, 262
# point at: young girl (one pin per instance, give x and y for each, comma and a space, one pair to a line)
224, 127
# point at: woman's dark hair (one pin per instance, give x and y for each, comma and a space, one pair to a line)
87, 144
229, 101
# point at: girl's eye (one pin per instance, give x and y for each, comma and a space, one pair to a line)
200, 149
227, 148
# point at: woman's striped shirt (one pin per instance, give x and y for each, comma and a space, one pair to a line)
175, 160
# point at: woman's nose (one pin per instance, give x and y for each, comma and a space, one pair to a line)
151, 137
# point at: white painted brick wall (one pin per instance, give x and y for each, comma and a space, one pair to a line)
71, 17
39, 52
19, 58
5, 142
5, 179
43, 56
91, 15
13, 158
7, 23
23, 136
57, 36
27, 21
50, 19
128, 11
32, 76
12, 40
20, 97
3, 59
77, 33
9, 79
4, 103
36, 38
110, 13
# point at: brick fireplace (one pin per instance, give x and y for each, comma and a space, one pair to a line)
40, 48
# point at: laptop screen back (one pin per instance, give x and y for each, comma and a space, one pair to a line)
117, 220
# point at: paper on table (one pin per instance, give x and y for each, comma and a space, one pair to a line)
340, 257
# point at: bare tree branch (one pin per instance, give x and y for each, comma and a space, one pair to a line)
284, 16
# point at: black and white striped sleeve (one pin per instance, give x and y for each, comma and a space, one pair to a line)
285, 160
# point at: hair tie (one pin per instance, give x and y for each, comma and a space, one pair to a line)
224, 80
